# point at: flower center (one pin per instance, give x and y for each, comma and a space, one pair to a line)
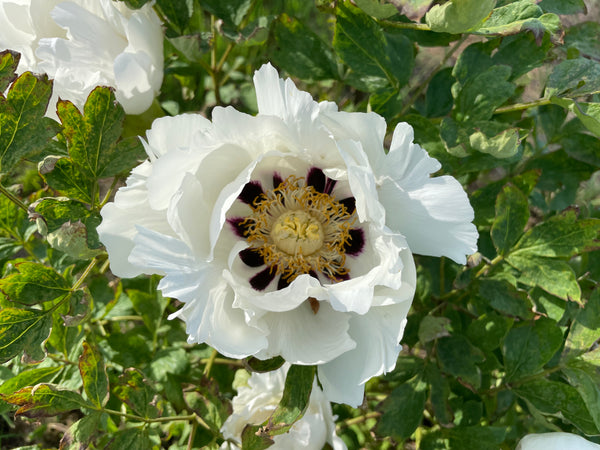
297, 232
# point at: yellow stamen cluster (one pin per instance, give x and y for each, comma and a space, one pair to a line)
297, 229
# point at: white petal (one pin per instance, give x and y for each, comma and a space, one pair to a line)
302, 337
174, 133
555, 441
158, 253
436, 219
377, 335
132, 79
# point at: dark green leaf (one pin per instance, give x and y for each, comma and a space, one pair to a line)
150, 306
512, 214
584, 331
232, 12
9, 61
209, 404
583, 147
560, 400
135, 4
402, 410
81, 432
439, 392
300, 52
438, 100
432, 328
23, 330
585, 378
552, 275
529, 346
24, 129
488, 331
66, 177
34, 283
178, 12
168, 360
505, 298
258, 365
574, 78
522, 53
458, 357
458, 16
132, 389
588, 113
377, 59
560, 236
131, 439
45, 400
377, 9
476, 101
93, 374
564, 6
26, 378
583, 36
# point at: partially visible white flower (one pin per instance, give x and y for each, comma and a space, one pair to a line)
555, 441
82, 44
288, 233
255, 402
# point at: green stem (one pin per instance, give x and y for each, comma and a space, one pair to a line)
190, 444
356, 420
489, 265
210, 363
522, 106
406, 25
224, 361
13, 198
84, 275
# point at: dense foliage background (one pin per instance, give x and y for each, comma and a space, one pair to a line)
504, 93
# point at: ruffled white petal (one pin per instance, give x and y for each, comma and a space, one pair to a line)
555, 441
377, 335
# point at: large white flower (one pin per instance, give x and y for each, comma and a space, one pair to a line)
257, 401
555, 441
82, 44
290, 232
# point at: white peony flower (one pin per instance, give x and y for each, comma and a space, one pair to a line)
82, 44
290, 232
555, 441
257, 401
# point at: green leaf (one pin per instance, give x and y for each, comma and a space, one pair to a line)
560, 236
588, 113
583, 147
439, 392
34, 283
378, 60
559, 400
23, 330
207, 402
512, 214
45, 400
93, 374
93, 139
584, 330
168, 360
552, 275
459, 16
9, 60
26, 378
258, 365
432, 328
232, 12
505, 299
585, 378
65, 176
150, 306
80, 434
583, 37
521, 16
564, 6
135, 4
131, 439
402, 410
24, 129
574, 78
482, 94
529, 346
458, 357
502, 145
300, 52
488, 330
291, 408
178, 13
132, 389
438, 100
377, 9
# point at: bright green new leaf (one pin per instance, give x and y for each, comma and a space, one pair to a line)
45, 400
503, 145
93, 139
9, 61
559, 400
574, 78
552, 275
24, 131
512, 214
93, 374
560, 236
459, 16
34, 283
529, 346
378, 60
23, 330
402, 410
300, 52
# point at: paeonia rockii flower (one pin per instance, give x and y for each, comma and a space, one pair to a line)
555, 441
82, 44
288, 233
255, 402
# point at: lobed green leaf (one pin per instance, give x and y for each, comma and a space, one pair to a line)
574, 78
45, 400
23, 330
512, 214
459, 16
93, 374
9, 61
34, 283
